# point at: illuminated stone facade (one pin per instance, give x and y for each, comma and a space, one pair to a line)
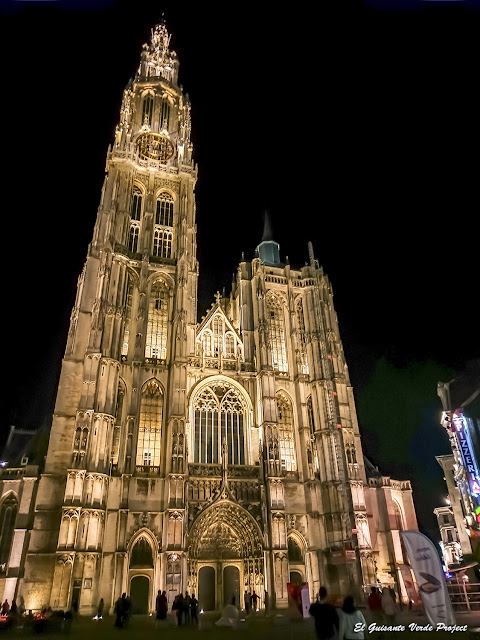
217, 457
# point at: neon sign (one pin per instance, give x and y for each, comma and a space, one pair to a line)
468, 456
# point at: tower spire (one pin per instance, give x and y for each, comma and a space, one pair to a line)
268, 249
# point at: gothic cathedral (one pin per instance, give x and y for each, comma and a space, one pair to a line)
217, 457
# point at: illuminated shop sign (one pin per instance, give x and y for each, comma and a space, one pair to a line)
468, 455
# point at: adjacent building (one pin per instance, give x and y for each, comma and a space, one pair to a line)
219, 456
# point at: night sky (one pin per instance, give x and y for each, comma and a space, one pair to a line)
356, 127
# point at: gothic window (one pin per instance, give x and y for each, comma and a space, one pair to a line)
217, 325
136, 205
162, 243
150, 427
207, 343
311, 424
219, 415
147, 110
295, 554
397, 512
127, 315
229, 346
118, 423
164, 114
350, 453
8, 514
141, 554
133, 237
157, 325
302, 341
164, 211
277, 333
285, 433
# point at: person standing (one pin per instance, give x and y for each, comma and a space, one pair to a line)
254, 601
158, 608
325, 616
375, 606
180, 609
388, 606
193, 609
5, 608
100, 610
247, 602
119, 604
350, 619
186, 608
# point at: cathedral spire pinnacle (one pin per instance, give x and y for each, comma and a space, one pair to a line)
157, 60
268, 249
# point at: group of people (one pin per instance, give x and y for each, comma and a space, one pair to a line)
185, 608
122, 610
251, 600
347, 622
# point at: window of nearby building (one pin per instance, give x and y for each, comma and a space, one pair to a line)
118, 423
219, 414
150, 426
157, 325
449, 535
285, 433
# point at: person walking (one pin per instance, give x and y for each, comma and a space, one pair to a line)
100, 610
193, 609
5, 608
352, 624
375, 606
325, 616
118, 610
388, 606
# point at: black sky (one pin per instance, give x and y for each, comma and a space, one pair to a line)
356, 127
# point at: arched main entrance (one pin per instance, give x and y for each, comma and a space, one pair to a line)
139, 593
206, 588
225, 541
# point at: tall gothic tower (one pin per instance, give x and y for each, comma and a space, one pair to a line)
218, 457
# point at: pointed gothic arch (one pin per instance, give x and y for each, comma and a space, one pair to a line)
219, 409
286, 432
150, 427
8, 515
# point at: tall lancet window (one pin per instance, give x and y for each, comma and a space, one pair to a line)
302, 339
157, 325
164, 210
133, 236
8, 514
286, 439
136, 204
118, 423
150, 427
127, 316
164, 114
147, 110
219, 414
277, 332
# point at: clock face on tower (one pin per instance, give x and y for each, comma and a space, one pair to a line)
155, 146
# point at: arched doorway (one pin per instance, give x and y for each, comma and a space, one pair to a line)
206, 589
231, 585
141, 574
225, 536
296, 577
139, 593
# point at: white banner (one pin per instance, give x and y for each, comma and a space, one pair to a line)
425, 562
